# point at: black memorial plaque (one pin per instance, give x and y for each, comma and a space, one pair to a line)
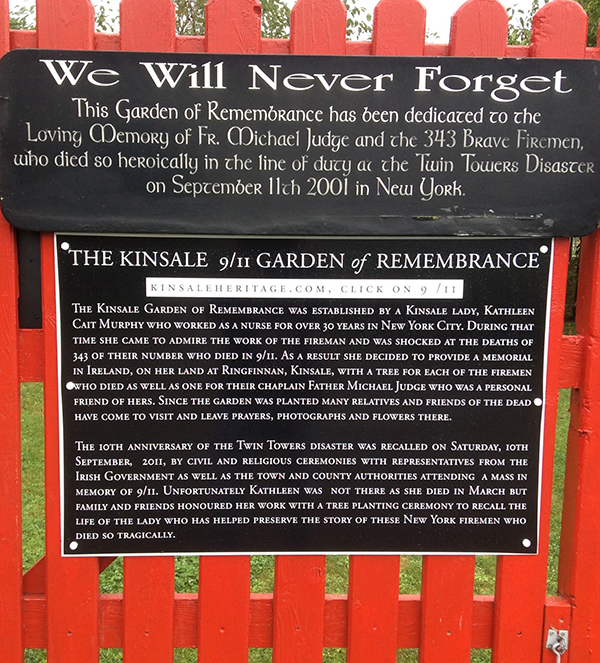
301, 395
232, 144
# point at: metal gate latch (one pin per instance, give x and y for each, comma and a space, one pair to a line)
557, 642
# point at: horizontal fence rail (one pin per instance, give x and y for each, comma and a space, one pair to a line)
57, 606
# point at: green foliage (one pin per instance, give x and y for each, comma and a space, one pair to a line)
275, 19
592, 7
106, 18
558, 487
190, 16
520, 20
32, 452
519, 23
359, 24
23, 18
262, 574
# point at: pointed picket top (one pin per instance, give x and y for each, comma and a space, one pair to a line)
318, 27
399, 27
479, 28
4, 27
232, 26
147, 25
559, 30
65, 24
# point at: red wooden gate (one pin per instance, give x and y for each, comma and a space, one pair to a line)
57, 606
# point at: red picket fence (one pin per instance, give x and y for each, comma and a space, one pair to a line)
57, 605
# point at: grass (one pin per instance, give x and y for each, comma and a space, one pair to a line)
32, 452
262, 567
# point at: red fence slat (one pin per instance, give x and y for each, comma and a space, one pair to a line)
65, 24
399, 27
224, 582
447, 609
479, 28
4, 27
224, 609
571, 357
299, 608
373, 608
148, 582
10, 454
147, 25
521, 580
11, 565
31, 355
71, 584
579, 576
232, 26
318, 27
559, 30
148, 609
447, 585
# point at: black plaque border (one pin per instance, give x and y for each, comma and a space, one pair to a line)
65, 552
538, 210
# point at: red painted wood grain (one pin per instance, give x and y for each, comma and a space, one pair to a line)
224, 609
148, 582
399, 28
147, 25
318, 27
521, 581
233, 26
298, 608
579, 575
373, 608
